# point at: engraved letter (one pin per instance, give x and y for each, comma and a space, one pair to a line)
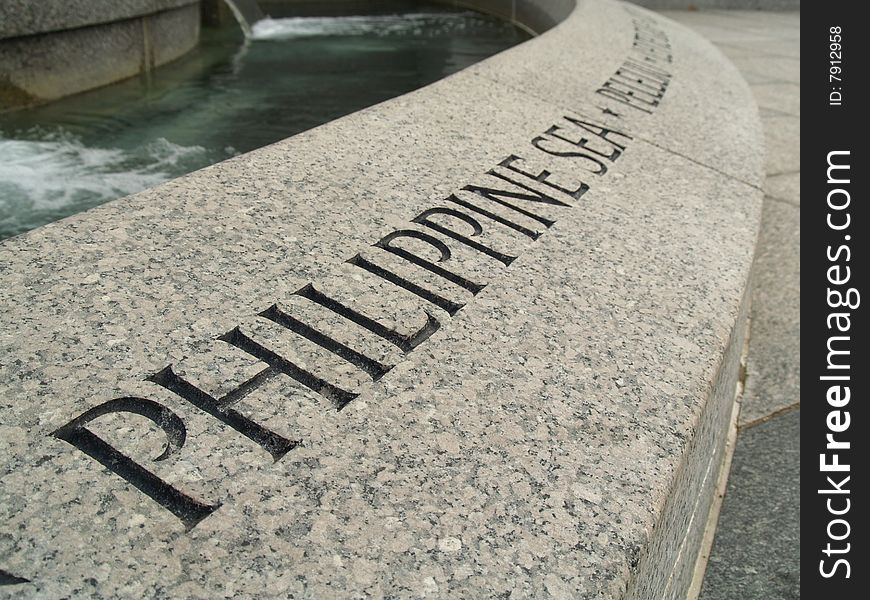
335, 394
405, 342
270, 441
530, 195
441, 302
375, 369
497, 218
189, 510
441, 247
476, 229
542, 177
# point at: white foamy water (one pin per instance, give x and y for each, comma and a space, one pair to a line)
381, 25
71, 155
56, 172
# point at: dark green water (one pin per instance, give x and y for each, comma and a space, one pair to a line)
228, 96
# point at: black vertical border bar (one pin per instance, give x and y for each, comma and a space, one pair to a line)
828, 128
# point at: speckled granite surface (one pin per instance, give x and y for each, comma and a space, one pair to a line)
550, 434
28, 17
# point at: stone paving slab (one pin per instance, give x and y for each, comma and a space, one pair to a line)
785, 187
781, 97
782, 141
769, 69
773, 366
757, 547
776, 48
746, 23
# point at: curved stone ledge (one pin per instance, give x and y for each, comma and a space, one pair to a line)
53, 48
528, 399
19, 18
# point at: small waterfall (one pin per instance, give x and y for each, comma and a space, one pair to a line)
247, 12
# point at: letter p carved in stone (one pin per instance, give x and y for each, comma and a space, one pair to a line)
189, 510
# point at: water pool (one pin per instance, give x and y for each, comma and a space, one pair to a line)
226, 97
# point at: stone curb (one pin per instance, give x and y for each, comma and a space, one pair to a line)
481, 339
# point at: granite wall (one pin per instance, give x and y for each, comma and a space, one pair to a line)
54, 48
478, 340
